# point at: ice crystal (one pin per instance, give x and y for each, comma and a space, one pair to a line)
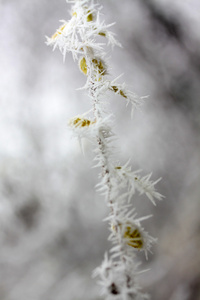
81, 35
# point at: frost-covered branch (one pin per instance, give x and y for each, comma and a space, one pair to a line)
82, 36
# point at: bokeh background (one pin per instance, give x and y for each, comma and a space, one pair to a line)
51, 230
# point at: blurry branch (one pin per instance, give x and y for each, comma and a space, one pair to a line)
173, 26
169, 24
167, 28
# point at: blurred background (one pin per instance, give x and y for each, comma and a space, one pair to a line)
51, 230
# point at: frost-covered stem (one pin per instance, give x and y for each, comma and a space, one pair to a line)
88, 54
105, 170
101, 141
118, 183
98, 114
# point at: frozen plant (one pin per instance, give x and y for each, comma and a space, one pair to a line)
82, 36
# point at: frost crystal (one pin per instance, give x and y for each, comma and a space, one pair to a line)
84, 35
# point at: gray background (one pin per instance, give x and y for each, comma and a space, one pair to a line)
51, 230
